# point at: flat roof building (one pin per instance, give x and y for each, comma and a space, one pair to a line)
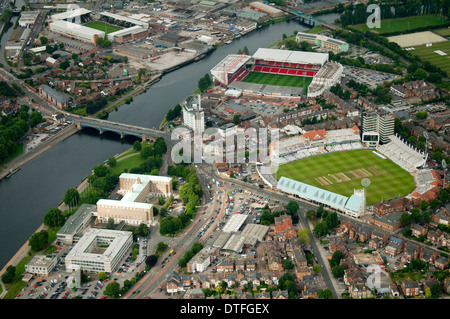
99, 250
76, 224
41, 264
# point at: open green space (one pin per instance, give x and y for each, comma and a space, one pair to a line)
445, 32
130, 162
428, 54
388, 180
403, 24
101, 26
277, 79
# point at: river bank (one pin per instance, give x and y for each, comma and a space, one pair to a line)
64, 165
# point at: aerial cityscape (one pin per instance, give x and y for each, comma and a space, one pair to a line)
225, 150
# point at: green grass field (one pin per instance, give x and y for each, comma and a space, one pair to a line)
277, 79
101, 26
402, 24
445, 32
428, 54
388, 180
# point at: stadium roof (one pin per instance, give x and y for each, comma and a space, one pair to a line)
123, 18
231, 63
278, 55
354, 203
312, 193
75, 29
70, 14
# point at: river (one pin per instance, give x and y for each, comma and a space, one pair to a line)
41, 183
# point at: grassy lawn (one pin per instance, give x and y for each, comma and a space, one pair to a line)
129, 152
445, 32
402, 24
278, 79
315, 29
127, 163
101, 26
388, 180
428, 54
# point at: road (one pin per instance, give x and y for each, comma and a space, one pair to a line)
183, 242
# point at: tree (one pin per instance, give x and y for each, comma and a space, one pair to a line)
405, 219
112, 290
420, 74
44, 40
35, 118
38, 241
336, 258
161, 247
423, 205
72, 197
110, 224
102, 275
9, 275
236, 119
292, 207
112, 161
137, 146
54, 218
338, 271
151, 260
317, 269
324, 294
100, 170
436, 290
204, 83
303, 235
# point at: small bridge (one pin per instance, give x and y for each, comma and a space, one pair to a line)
304, 18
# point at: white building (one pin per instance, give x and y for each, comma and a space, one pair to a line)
28, 18
41, 264
99, 250
326, 77
193, 115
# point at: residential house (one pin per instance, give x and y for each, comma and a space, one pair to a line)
418, 230
359, 290
410, 288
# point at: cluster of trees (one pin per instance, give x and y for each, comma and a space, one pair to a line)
114, 290
14, 127
337, 89
95, 106
104, 43
152, 156
196, 247
101, 183
328, 221
356, 14
337, 268
286, 282
9, 275
6, 90
244, 51
174, 113
38, 241
268, 217
204, 83
190, 194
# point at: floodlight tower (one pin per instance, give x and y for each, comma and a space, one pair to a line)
425, 134
365, 182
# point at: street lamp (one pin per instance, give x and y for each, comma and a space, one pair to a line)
365, 182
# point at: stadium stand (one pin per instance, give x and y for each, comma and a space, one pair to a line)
403, 155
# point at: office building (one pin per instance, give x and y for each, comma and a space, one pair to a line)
379, 122
193, 115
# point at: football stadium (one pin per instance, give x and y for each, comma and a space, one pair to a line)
81, 25
278, 72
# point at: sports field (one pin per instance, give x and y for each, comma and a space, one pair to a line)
342, 172
403, 24
428, 54
277, 79
97, 25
